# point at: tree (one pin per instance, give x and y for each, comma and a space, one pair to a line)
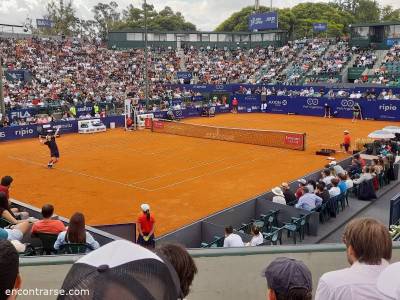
388, 14
367, 11
106, 16
63, 15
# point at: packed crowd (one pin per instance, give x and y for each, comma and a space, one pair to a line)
389, 71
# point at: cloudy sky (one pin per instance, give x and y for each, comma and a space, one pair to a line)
206, 14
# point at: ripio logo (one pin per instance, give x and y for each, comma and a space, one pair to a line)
2, 135
24, 131
389, 107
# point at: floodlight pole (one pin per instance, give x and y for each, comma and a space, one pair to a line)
146, 55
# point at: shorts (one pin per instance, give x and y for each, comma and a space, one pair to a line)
14, 234
356, 114
55, 154
148, 244
346, 147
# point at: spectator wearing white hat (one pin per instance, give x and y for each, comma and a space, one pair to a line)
279, 197
337, 168
300, 192
146, 227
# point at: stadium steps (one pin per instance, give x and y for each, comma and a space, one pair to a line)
356, 208
345, 74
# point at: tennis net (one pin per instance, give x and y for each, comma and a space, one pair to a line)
271, 138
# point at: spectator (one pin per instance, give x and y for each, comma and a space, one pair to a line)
355, 168
327, 177
338, 169
365, 176
76, 233
10, 279
146, 227
122, 270
257, 238
232, 239
289, 279
182, 262
311, 185
308, 201
290, 197
322, 192
360, 160
300, 190
279, 197
5, 186
334, 190
369, 248
342, 183
388, 282
349, 182
47, 224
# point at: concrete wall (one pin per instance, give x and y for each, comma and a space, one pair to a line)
224, 274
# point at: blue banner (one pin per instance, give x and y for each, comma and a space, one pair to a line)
22, 113
263, 21
17, 75
44, 23
320, 27
392, 41
184, 75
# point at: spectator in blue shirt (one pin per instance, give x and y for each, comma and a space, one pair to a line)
308, 201
342, 183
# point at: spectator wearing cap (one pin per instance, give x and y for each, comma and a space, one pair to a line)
47, 224
369, 248
338, 169
308, 201
182, 262
334, 190
257, 238
76, 234
278, 197
388, 282
232, 239
9, 271
288, 278
290, 197
300, 190
122, 270
146, 227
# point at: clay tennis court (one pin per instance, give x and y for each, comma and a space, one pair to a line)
107, 176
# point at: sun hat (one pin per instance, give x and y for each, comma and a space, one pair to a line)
285, 185
277, 191
302, 181
145, 207
346, 131
123, 270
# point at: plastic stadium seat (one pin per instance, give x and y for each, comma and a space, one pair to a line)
75, 248
4, 223
48, 240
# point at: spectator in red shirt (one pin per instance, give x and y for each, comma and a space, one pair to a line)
235, 104
146, 227
360, 160
346, 141
300, 191
48, 225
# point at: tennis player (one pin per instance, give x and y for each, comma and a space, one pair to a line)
50, 141
357, 112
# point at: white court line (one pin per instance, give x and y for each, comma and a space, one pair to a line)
80, 174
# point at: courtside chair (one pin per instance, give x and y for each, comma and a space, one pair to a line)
47, 240
274, 236
75, 248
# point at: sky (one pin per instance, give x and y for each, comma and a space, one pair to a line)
205, 14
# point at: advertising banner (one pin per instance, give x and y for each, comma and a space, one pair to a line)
263, 21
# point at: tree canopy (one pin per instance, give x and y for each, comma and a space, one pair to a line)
298, 20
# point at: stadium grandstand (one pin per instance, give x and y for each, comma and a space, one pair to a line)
142, 158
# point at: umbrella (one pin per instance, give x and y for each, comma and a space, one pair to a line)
392, 129
381, 135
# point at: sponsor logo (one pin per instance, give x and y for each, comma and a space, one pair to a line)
20, 114
85, 108
388, 107
158, 124
249, 110
2, 135
278, 102
24, 131
294, 139
219, 87
312, 101
242, 108
347, 103
178, 113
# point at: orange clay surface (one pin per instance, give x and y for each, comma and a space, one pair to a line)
108, 175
